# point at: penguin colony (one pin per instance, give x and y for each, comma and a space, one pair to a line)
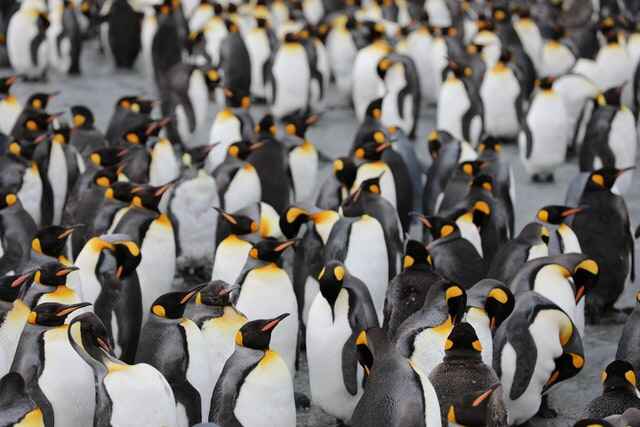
402, 282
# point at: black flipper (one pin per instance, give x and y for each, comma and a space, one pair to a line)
350, 364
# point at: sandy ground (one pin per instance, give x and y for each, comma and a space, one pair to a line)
100, 86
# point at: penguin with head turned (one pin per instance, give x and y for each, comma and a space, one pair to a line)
20, 171
43, 352
134, 140
560, 215
407, 291
421, 337
219, 321
370, 124
255, 381
535, 348
85, 137
605, 214
129, 111
175, 346
392, 384
303, 156
335, 189
16, 406
17, 228
50, 244
338, 314
237, 180
619, 391
152, 403
27, 41
232, 245
531, 243
501, 172
461, 371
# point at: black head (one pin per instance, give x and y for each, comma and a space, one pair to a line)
128, 257
545, 83
533, 233
298, 123
39, 101
9, 288
372, 150
216, 293
463, 342
331, 278
593, 422
556, 214
22, 148
172, 305
458, 69
605, 178
5, 85
499, 305
619, 375
500, 13
345, 171
374, 109
291, 38
270, 250
505, 56
7, 198
612, 96
483, 23
52, 240
121, 191
138, 135
234, 98
53, 274
472, 409
95, 337
611, 36
105, 177
163, 9
415, 254
61, 135
149, 196
557, 33
36, 123
456, 299
266, 126
383, 66
474, 49
82, 117
212, 78
242, 149
52, 313
292, 220
472, 167
371, 186
238, 224
438, 227
126, 102
371, 344
374, 31
585, 277
197, 156
257, 333
108, 156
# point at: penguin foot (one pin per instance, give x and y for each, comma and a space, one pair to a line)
340, 423
545, 410
302, 401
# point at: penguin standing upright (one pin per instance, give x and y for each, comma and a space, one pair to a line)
559, 215
421, 338
231, 251
10, 108
123, 33
557, 56
342, 51
534, 349
176, 347
17, 228
544, 136
338, 314
63, 402
21, 173
605, 214
115, 381
166, 50
65, 38
265, 287
255, 382
236, 65
230, 125
26, 39
393, 382
303, 156
289, 78
85, 137
419, 42
335, 189
260, 43
614, 62
367, 84
462, 370
402, 98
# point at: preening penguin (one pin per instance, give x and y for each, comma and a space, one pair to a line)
255, 387
335, 189
338, 314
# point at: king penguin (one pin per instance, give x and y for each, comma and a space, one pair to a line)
367, 84
17, 408
26, 39
289, 77
10, 108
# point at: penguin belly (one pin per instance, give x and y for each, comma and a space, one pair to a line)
266, 396
558, 291
623, 137
366, 83
191, 207
231, 256
149, 28
226, 130
311, 289
198, 373
140, 396
546, 121
418, 46
387, 183
395, 82
439, 14
199, 97
10, 109
303, 165
10, 332
367, 259
291, 74
430, 398
158, 265
478, 318
215, 32
532, 42
470, 232
325, 341
244, 190
428, 347
614, 66
548, 349
164, 165
20, 34
57, 174
259, 50
499, 92
267, 292
453, 104
182, 125
219, 334
342, 53
71, 392
557, 59
30, 194
569, 240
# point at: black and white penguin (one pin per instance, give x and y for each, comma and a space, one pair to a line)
557, 57
484, 408
367, 84
529, 34
65, 38
18, 228
545, 121
338, 314
16, 406
260, 42
231, 247
407, 291
71, 401
393, 382
230, 125
460, 107
235, 64
610, 138
122, 33
26, 39
619, 391
613, 61
129, 112
255, 381
335, 189
421, 337
175, 346
114, 380
166, 46
85, 137
462, 370
605, 214
559, 215
10, 107
164, 165
49, 244
459, 183
317, 56
289, 78
303, 156
536, 347
630, 339
342, 51
21, 173
531, 243
265, 288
